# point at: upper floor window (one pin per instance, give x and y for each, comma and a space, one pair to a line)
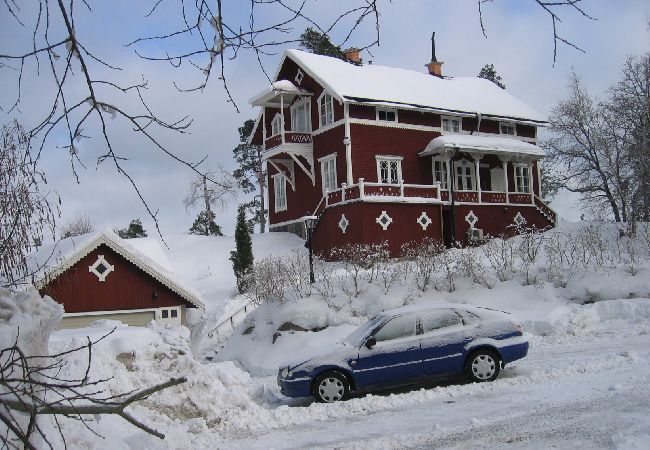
388, 115
280, 190
276, 124
464, 175
507, 128
389, 169
451, 124
522, 178
440, 172
300, 117
328, 172
326, 109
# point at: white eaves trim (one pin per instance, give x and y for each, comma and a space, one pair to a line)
119, 246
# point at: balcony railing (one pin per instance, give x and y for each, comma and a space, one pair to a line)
420, 193
288, 137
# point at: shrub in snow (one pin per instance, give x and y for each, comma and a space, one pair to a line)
530, 241
500, 254
422, 259
561, 251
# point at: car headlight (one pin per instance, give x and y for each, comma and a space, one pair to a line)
284, 373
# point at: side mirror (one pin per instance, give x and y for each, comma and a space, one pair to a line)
371, 342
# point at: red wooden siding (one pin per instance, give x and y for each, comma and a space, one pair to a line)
127, 287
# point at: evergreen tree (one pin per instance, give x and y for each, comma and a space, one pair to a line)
489, 73
320, 44
205, 225
242, 256
134, 230
251, 175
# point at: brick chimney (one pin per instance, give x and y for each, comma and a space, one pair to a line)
435, 66
353, 55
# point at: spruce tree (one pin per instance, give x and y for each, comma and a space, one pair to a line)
242, 256
134, 230
205, 225
320, 44
251, 176
489, 73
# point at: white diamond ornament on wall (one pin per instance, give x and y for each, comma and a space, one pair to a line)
519, 219
299, 76
344, 223
384, 220
424, 221
471, 219
101, 268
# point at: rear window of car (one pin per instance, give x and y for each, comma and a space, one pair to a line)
396, 328
434, 320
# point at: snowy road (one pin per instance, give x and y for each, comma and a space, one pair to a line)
586, 391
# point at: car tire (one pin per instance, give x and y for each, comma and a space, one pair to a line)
482, 365
331, 386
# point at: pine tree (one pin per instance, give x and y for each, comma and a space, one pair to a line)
489, 73
205, 225
242, 256
134, 230
320, 44
251, 175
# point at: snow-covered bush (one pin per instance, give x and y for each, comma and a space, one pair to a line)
500, 254
528, 250
422, 261
561, 251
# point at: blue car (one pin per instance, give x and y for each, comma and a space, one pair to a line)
406, 346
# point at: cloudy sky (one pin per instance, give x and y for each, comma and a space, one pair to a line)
519, 43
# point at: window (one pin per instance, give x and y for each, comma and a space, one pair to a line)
326, 108
522, 178
507, 128
280, 189
276, 124
451, 124
433, 320
328, 173
396, 328
165, 314
464, 175
300, 120
388, 115
169, 315
101, 268
389, 169
440, 172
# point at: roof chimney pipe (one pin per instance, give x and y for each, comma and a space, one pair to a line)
435, 66
353, 55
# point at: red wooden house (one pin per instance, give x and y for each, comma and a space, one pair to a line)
101, 276
387, 154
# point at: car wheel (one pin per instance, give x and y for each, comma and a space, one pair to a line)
482, 365
331, 387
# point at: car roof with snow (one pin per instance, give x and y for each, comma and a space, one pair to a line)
480, 311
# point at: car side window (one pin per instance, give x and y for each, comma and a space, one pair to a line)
468, 317
434, 320
396, 328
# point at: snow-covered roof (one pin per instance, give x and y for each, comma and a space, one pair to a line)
491, 144
279, 87
51, 261
408, 88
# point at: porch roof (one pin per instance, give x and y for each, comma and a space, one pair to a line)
487, 144
271, 95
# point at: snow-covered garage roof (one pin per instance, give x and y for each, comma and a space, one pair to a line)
372, 83
490, 144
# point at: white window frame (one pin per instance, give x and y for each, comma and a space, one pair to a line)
169, 319
508, 124
328, 180
280, 191
299, 104
466, 166
390, 160
388, 110
276, 124
522, 172
451, 118
444, 182
325, 100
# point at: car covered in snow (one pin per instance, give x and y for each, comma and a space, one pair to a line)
409, 345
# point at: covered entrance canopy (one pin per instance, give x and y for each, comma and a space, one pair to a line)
484, 144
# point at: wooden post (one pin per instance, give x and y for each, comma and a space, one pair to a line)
361, 189
505, 177
401, 188
343, 186
477, 159
282, 116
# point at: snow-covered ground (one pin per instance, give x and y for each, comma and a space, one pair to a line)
583, 384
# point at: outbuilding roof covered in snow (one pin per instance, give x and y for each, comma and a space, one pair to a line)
489, 144
372, 83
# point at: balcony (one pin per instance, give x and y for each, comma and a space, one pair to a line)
287, 141
381, 192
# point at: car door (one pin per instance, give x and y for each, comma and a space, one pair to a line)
443, 340
395, 358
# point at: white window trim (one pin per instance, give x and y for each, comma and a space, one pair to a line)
379, 108
169, 319
445, 185
530, 178
379, 158
277, 115
320, 117
472, 171
101, 261
323, 161
299, 103
458, 118
510, 124
279, 178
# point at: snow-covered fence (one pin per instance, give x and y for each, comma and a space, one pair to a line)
228, 325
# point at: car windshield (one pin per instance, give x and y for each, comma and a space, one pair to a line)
355, 338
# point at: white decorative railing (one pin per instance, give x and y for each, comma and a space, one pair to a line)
368, 191
230, 323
